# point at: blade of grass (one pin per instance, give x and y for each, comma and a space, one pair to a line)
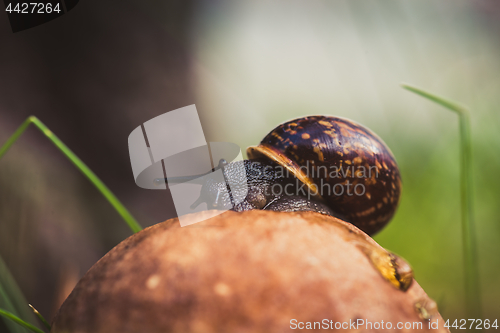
472, 290
39, 315
113, 200
12, 299
19, 321
6, 303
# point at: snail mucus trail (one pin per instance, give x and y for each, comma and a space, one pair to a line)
324, 164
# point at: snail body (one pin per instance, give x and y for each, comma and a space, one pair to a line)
326, 164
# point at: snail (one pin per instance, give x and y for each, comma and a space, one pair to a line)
325, 164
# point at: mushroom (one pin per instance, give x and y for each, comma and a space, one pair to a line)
254, 271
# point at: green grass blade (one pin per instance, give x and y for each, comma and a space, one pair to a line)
472, 288
14, 137
12, 299
39, 315
113, 200
453, 106
19, 321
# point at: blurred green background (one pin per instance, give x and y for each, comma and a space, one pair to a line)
248, 66
264, 63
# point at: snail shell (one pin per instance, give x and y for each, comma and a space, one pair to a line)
331, 156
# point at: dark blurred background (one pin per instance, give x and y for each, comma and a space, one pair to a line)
104, 68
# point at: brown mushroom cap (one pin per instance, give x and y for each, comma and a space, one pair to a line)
254, 271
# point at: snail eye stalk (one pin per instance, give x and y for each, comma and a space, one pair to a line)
198, 179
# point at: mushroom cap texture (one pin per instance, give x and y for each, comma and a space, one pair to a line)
239, 272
